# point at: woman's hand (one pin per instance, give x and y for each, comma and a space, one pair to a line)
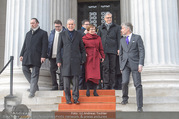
102, 60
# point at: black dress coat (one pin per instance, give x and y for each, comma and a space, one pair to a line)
34, 48
110, 38
73, 54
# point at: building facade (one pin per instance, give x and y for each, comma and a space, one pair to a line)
157, 21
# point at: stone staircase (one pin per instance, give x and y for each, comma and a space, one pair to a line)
160, 92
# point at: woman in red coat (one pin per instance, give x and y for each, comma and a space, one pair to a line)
95, 54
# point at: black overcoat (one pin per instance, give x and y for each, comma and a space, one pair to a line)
73, 53
110, 38
34, 48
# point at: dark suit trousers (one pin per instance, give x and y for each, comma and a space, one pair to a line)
109, 69
75, 92
82, 82
53, 69
32, 77
137, 83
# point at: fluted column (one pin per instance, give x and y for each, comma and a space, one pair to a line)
125, 10
62, 10
19, 14
157, 22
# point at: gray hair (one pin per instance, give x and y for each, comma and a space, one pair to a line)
107, 13
128, 25
70, 19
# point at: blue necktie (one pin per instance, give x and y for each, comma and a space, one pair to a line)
127, 40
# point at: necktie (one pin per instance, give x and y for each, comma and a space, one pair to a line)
127, 40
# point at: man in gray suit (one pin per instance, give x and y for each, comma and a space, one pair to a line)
132, 56
73, 55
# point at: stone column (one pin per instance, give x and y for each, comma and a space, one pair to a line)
125, 10
157, 22
19, 14
2, 31
62, 10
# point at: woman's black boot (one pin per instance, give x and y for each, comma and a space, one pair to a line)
95, 93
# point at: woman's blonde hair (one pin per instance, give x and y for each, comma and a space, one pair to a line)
90, 26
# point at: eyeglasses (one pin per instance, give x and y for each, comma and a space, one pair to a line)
108, 17
58, 26
86, 24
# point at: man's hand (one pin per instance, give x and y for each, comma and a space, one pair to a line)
42, 60
117, 52
21, 58
140, 68
85, 31
59, 65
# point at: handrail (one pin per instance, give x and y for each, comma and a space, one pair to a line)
11, 73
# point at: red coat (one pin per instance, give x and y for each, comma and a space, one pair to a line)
95, 53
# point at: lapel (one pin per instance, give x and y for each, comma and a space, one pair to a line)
66, 33
74, 35
131, 41
125, 44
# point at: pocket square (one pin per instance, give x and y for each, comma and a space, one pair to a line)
133, 41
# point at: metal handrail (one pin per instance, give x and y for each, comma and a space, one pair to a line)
11, 73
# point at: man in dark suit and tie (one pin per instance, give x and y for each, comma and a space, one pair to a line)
73, 55
132, 56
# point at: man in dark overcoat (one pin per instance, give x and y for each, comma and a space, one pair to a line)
73, 55
33, 54
110, 36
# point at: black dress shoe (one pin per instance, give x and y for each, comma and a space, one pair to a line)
87, 93
28, 90
95, 94
139, 109
68, 102
124, 102
61, 88
76, 102
54, 88
31, 95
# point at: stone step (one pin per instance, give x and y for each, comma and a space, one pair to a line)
93, 99
149, 107
43, 107
152, 100
100, 92
89, 106
126, 108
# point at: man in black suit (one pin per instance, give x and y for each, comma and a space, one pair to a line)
132, 56
73, 55
82, 84
33, 54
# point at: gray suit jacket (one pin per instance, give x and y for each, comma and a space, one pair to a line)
134, 52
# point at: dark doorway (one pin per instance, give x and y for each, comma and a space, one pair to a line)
94, 11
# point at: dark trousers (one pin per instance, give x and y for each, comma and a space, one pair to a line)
109, 70
118, 83
75, 92
137, 83
32, 77
82, 84
53, 69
